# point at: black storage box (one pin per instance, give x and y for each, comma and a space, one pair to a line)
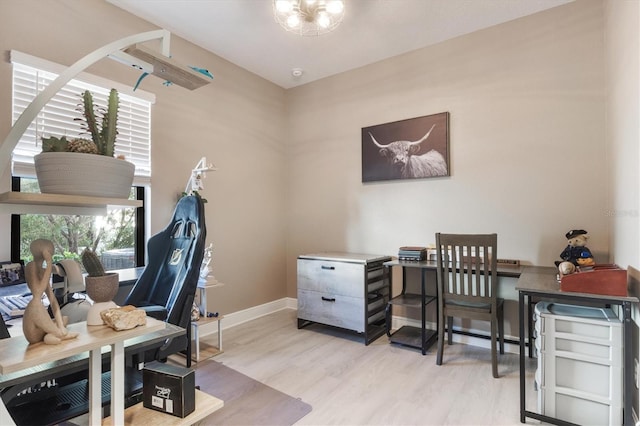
169, 388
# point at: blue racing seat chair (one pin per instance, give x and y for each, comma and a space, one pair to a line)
166, 289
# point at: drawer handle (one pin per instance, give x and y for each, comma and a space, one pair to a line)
329, 299
331, 268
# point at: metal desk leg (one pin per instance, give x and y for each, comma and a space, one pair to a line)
423, 293
529, 327
387, 310
195, 333
423, 332
188, 347
522, 369
627, 402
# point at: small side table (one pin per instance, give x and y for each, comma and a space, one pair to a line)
139, 415
208, 350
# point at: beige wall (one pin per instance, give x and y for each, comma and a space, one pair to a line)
237, 122
623, 127
622, 60
527, 141
527, 103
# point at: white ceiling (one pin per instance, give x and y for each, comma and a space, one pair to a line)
245, 33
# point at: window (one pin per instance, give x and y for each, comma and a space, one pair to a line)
119, 236
59, 116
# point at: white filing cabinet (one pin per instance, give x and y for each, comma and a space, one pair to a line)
579, 373
343, 290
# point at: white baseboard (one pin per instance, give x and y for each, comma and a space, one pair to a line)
240, 317
245, 315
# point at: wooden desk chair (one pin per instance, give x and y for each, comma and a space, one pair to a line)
467, 286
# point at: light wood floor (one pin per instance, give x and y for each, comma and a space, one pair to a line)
348, 383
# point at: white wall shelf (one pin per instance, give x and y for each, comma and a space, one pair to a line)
23, 202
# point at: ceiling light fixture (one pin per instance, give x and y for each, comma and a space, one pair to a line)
309, 17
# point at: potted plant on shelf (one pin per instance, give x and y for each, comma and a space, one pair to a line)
86, 167
101, 286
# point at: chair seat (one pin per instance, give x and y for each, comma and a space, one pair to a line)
476, 306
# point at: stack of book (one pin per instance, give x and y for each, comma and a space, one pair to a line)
412, 253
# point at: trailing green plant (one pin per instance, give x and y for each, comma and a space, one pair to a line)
91, 263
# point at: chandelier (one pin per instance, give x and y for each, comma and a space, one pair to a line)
309, 17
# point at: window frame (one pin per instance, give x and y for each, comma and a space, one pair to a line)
30, 75
100, 88
139, 248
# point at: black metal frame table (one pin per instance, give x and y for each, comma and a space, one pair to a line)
542, 283
409, 335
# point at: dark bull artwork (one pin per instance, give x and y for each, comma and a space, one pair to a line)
409, 149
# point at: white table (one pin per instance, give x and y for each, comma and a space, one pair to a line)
17, 354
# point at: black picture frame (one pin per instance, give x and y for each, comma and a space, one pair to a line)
414, 148
11, 273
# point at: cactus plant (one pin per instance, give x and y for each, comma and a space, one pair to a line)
54, 144
100, 123
92, 263
83, 146
104, 133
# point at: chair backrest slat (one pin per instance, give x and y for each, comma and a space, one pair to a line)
467, 266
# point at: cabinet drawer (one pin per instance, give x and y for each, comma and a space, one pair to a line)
337, 278
331, 309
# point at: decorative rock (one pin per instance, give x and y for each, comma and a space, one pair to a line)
124, 318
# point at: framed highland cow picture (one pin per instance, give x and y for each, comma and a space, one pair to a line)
415, 148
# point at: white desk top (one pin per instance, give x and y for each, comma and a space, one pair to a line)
17, 354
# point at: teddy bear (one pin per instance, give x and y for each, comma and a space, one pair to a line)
576, 253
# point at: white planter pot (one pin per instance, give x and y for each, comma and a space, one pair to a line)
74, 173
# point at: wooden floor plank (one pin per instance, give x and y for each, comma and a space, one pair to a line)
348, 383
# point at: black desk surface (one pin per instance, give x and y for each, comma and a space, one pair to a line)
543, 280
503, 270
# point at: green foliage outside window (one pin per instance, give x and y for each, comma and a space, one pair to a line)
70, 234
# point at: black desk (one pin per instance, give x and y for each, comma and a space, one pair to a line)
542, 283
423, 338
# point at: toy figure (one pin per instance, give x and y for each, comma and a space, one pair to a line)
37, 325
576, 251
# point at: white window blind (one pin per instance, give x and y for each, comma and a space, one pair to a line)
60, 115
